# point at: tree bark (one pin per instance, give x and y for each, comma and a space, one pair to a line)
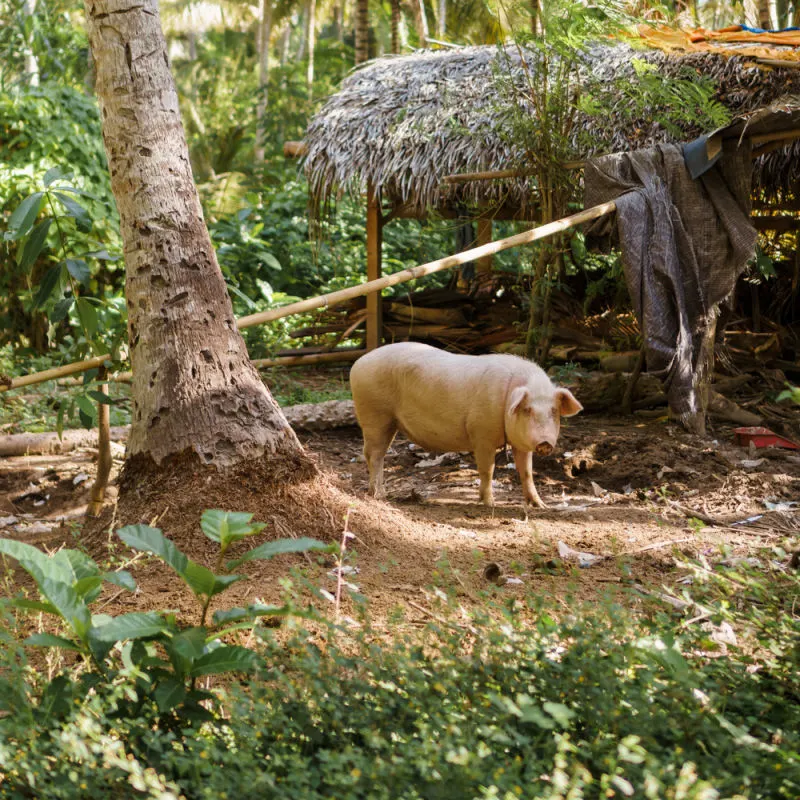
31, 64
194, 388
311, 34
441, 20
264, 33
395, 26
362, 31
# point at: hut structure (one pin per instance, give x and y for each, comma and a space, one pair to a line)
440, 131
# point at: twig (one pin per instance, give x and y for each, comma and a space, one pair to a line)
340, 563
656, 546
690, 512
442, 620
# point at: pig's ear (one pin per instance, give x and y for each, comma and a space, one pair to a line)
518, 399
567, 404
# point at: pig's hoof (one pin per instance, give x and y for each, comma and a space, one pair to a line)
536, 501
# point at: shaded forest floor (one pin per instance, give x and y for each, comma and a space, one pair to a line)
634, 494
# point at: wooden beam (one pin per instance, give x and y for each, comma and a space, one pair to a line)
315, 358
780, 223
53, 374
484, 234
503, 212
501, 174
448, 262
374, 240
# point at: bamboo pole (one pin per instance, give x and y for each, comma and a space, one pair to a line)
334, 298
497, 174
104, 461
374, 236
314, 358
52, 374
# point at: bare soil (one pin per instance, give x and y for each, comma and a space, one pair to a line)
622, 488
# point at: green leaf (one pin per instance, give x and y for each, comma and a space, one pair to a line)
224, 616
21, 221
88, 589
49, 640
75, 565
185, 648
81, 216
200, 579
30, 558
87, 315
48, 284
270, 549
68, 604
61, 309
269, 260
86, 406
79, 270
32, 605
53, 174
121, 578
169, 694
232, 658
227, 527
100, 255
136, 625
34, 244
100, 397
559, 712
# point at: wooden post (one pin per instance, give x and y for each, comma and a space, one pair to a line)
103, 449
374, 240
484, 237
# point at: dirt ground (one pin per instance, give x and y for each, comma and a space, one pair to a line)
624, 497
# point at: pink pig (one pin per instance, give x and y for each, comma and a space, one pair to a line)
445, 402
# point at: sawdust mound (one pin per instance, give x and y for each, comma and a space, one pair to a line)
292, 495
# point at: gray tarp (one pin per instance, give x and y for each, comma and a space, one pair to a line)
684, 243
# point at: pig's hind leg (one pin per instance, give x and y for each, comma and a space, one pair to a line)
377, 438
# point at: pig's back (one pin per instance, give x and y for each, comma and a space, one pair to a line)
433, 396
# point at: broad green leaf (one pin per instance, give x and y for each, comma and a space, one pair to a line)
88, 589
86, 406
270, 261
121, 578
270, 549
32, 605
49, 640
75, 190
68, 604
101, 255
136, 625
34, 244
75, 565
100, 397
223, 617
200, 579
232, 658
79, 269
81, 216
87, 314
49, 282
53, 174
559, 712
185, 648
61, 309
169, 694
227, 527
30, 558
57, 698
21, 221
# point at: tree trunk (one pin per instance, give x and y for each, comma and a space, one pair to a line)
194, 389
395, 26
31, 64
535, 17
264, 33
362, 31
311, 24
441, 20
764, 17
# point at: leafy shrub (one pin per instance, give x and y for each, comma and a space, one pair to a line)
600, 704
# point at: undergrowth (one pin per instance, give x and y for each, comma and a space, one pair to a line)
518, 700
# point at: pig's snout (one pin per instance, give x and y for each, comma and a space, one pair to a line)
544, 449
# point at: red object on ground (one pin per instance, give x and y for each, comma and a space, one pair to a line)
762, 437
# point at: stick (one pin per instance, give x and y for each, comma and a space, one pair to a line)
104, 461
656, 546
52, 374
334, 298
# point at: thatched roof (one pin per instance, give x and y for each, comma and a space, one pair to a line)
402, 123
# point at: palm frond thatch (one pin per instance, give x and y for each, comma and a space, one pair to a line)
402, 123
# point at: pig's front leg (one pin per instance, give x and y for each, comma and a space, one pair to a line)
484, 460
524, 461
376, 442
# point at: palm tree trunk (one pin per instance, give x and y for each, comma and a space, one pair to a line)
194, 389
311, 25
395, 26
362, 31
264, 35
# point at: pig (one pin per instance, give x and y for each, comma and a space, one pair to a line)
443, 402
